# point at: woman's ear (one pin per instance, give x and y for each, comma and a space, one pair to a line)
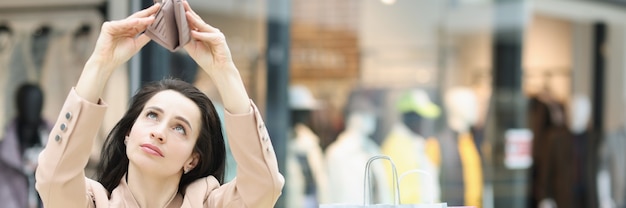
193, 161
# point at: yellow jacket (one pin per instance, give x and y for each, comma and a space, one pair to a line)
408, 152
461, 170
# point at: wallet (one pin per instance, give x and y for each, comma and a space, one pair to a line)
170, 28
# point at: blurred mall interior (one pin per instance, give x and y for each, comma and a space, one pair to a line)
502, 103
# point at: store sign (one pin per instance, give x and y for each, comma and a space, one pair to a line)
518, 148
319, 58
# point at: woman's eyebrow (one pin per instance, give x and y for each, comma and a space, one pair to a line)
184, 121
176, 117
155, 109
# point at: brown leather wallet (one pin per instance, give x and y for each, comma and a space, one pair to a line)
170, 28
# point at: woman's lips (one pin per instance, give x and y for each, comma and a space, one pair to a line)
151, 149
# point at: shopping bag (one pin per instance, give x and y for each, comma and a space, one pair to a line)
431, 202
367, 203
386, 206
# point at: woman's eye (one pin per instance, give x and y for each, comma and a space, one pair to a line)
151, 115
180, 129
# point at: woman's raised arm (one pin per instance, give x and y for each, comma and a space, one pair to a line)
118, 41
258, 182
60, 177
209, 49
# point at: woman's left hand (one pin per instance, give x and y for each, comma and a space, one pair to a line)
121, 39
208, 45
209, 49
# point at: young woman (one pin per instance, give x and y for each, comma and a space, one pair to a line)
167, 150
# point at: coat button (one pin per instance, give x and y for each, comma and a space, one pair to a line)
261, 126
68, 115
57, 138
63, 127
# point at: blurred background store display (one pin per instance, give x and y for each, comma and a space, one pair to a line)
538, 120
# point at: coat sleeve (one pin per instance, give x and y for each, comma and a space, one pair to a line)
60, 176
258, 182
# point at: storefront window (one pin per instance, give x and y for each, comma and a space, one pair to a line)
485, 103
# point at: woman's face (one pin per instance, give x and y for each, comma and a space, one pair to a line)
163, 137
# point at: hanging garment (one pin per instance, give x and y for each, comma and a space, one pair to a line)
472, 170
306, 144
61, 70
310, 187
8, 40
19, 66
17, 168
461, 171
478, 133
564, 175
612, 169
408, 152
433, 150
544, 115
346, 158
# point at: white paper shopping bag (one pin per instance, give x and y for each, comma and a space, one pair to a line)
367, 203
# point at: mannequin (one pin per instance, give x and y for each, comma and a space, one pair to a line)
39, 48
6, 47
462, 177
409, 149
347, 155
307, 176
24, 138
611, 183
579, 113
545, 116
461, 107
565, 174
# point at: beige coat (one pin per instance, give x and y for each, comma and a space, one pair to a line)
61, 181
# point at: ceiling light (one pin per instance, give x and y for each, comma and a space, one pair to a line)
388, 2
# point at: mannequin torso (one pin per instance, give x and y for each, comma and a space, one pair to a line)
462, 177
346, 158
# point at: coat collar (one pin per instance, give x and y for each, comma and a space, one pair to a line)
122, 197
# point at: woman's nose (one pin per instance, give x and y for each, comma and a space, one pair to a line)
157, 134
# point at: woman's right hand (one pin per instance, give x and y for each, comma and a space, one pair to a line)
117, 43
120, 40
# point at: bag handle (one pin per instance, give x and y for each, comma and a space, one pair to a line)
367, 185
432, 194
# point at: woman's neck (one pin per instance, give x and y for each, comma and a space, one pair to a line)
150, 190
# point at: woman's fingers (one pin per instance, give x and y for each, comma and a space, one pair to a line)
196, 23
142, 40
213, 39
188, 8
142, 24
146, 12
208, 41
129, 27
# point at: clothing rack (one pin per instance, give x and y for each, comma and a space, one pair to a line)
43, 47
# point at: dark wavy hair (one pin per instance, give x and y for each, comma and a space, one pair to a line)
209, 146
